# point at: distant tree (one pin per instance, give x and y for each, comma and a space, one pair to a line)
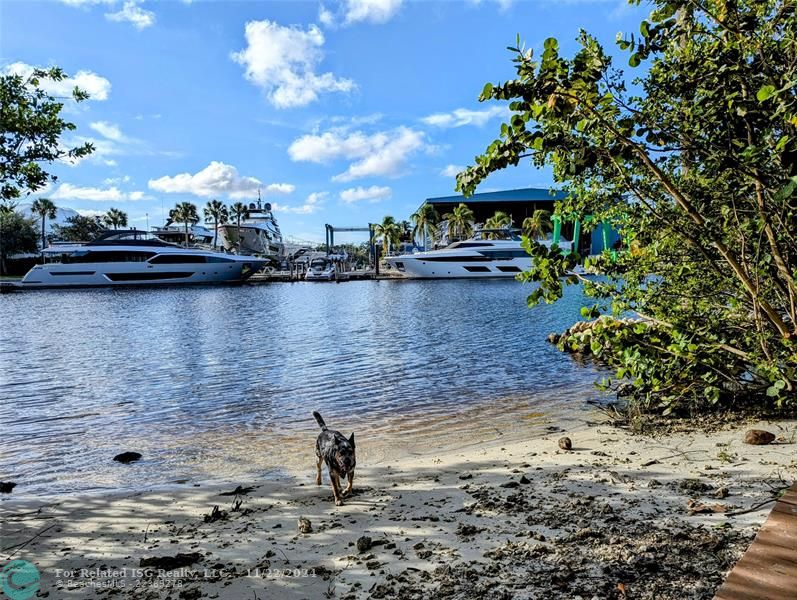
538, 225
17, 234
186, 213
217, 213
31, 128
79, 229
460, 222
44, 209
115, 218
239, 211
389, 232
406, 231
425, 221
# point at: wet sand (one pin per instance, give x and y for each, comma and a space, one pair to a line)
618, 516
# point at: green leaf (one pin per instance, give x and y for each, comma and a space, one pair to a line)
487, 90
551, 44
765, 92
634, 60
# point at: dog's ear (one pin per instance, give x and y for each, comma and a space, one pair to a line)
351, 440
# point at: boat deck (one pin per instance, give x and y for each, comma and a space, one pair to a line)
768, 569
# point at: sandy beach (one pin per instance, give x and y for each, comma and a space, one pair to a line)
618, 516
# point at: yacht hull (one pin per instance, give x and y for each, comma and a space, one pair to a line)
83, 275
420, 267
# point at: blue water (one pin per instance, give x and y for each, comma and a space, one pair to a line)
218, 383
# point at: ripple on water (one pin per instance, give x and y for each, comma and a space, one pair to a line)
219, 383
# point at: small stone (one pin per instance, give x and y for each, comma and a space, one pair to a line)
127, 457
510, 484
364, 544
466, 476
524, 480
758, 437
721, 492
305, 526
7, 486
565, 443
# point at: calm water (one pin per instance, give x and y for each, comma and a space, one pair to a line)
218, 383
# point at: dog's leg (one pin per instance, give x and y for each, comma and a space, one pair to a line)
318, 476
348, 489
336, 488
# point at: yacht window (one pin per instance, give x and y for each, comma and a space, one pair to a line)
218, 259
175, 259
478, 269
111, 256
509, 269
504, 254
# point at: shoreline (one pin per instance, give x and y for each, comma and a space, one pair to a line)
619, 513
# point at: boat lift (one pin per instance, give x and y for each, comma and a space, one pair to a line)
330, 235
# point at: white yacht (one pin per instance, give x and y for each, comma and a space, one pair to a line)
320, 269
130, 258
258, 234
489, 253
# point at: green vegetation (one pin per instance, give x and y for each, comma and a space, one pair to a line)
216, 212
31, 124
425, 221
460, 222
389, 232
45, 209
697, 169
185, 213
79, 229
17, 234
115, 218
239, 211
538, 225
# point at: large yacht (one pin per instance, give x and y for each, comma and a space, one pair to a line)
489, 253
131, 257
258, 234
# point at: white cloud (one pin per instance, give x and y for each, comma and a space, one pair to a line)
452, 170
216, 179
325, 17
132, 13
90, 212
463, 116
358, 194
283, 61
109, 131
116, 180
97, 87
67, 191
503, 5
311, 204
373, 11
384, 153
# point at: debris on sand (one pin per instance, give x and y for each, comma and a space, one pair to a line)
565, 443
305, 526
170, 563
127, 457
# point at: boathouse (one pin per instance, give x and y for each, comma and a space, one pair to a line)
522, 203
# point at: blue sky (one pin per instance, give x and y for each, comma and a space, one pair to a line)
340, 112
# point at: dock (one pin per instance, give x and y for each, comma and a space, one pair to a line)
768, 569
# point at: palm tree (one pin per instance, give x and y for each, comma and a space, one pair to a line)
217, 212
239, 211
186, 213
44, 208
115, 218
389, 231
538, 225
499, 220
425, 221
460, 222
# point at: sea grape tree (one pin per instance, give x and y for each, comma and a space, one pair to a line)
694, 162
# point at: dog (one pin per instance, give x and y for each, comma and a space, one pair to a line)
337, 452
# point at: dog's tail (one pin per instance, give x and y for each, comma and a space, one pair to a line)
320, 421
